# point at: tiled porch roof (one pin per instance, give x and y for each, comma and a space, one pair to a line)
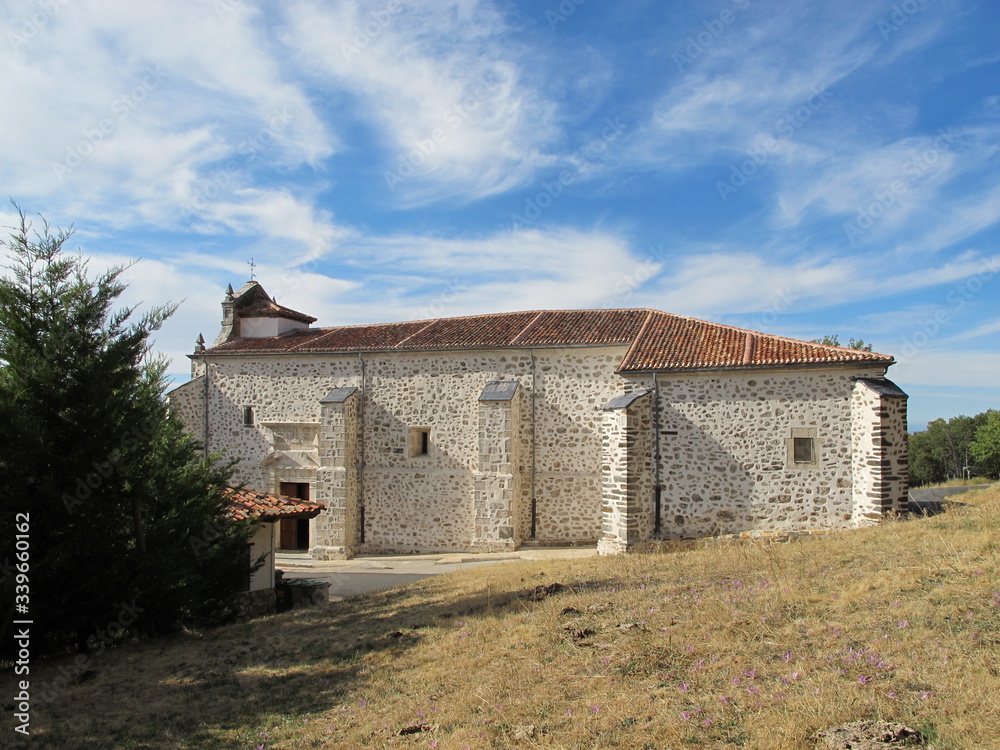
247, 503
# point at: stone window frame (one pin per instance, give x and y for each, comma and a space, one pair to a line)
418, 444
248, 417
799, 433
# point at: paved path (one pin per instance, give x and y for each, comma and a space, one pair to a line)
933, 500
362, 575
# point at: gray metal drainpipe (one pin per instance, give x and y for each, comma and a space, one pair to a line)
534, 446
657, 490
207, 371
361, 453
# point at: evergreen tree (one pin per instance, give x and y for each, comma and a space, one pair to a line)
834, 340
127, 527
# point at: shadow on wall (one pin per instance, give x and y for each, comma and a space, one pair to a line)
248, 449
706, 492
568, 476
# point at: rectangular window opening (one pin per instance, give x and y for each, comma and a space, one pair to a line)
802, 450
420, 441
248, 416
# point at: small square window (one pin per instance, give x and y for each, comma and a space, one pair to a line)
420, 441
248, 416
803, 450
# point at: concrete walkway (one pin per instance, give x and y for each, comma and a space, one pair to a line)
368, 573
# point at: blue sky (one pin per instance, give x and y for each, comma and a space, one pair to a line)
798, 168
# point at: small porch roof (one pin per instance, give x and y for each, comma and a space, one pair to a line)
248, 503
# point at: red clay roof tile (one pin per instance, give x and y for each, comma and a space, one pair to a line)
657, 341
247, 503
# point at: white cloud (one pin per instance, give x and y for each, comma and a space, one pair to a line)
715, 281
429, 276
441, 84
118, 102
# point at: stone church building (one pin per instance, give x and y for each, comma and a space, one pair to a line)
602, 427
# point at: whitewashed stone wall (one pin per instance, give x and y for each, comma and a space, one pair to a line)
725, 464
573, 385
188, 403
723, 440
419, 503
497, 479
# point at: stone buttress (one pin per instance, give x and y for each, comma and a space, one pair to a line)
626, 472
879, 450
338, 530
497, 480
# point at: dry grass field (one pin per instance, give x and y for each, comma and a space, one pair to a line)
722, 647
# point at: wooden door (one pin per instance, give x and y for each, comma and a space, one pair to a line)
294, 532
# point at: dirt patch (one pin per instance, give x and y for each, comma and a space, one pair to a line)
871, 735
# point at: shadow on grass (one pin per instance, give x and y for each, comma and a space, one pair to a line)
222, 688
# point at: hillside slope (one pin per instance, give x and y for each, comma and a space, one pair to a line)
721, 647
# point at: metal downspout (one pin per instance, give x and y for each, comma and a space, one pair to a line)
657, 490
534, 447
361, 453
205, 398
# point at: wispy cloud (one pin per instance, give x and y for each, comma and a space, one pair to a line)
442, 86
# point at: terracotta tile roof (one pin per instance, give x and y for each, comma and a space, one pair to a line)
657, 341
265, 308
247, 503
673, 342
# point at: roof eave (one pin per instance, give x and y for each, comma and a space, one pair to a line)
772, 366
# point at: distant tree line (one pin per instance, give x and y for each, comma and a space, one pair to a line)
959, 447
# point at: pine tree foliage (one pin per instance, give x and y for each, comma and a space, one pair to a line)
127, 519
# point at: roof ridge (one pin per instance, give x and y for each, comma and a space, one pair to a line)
490, 315
524, 332
637, 339
419, 330
748, 350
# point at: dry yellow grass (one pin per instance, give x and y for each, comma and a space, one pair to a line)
725, 647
